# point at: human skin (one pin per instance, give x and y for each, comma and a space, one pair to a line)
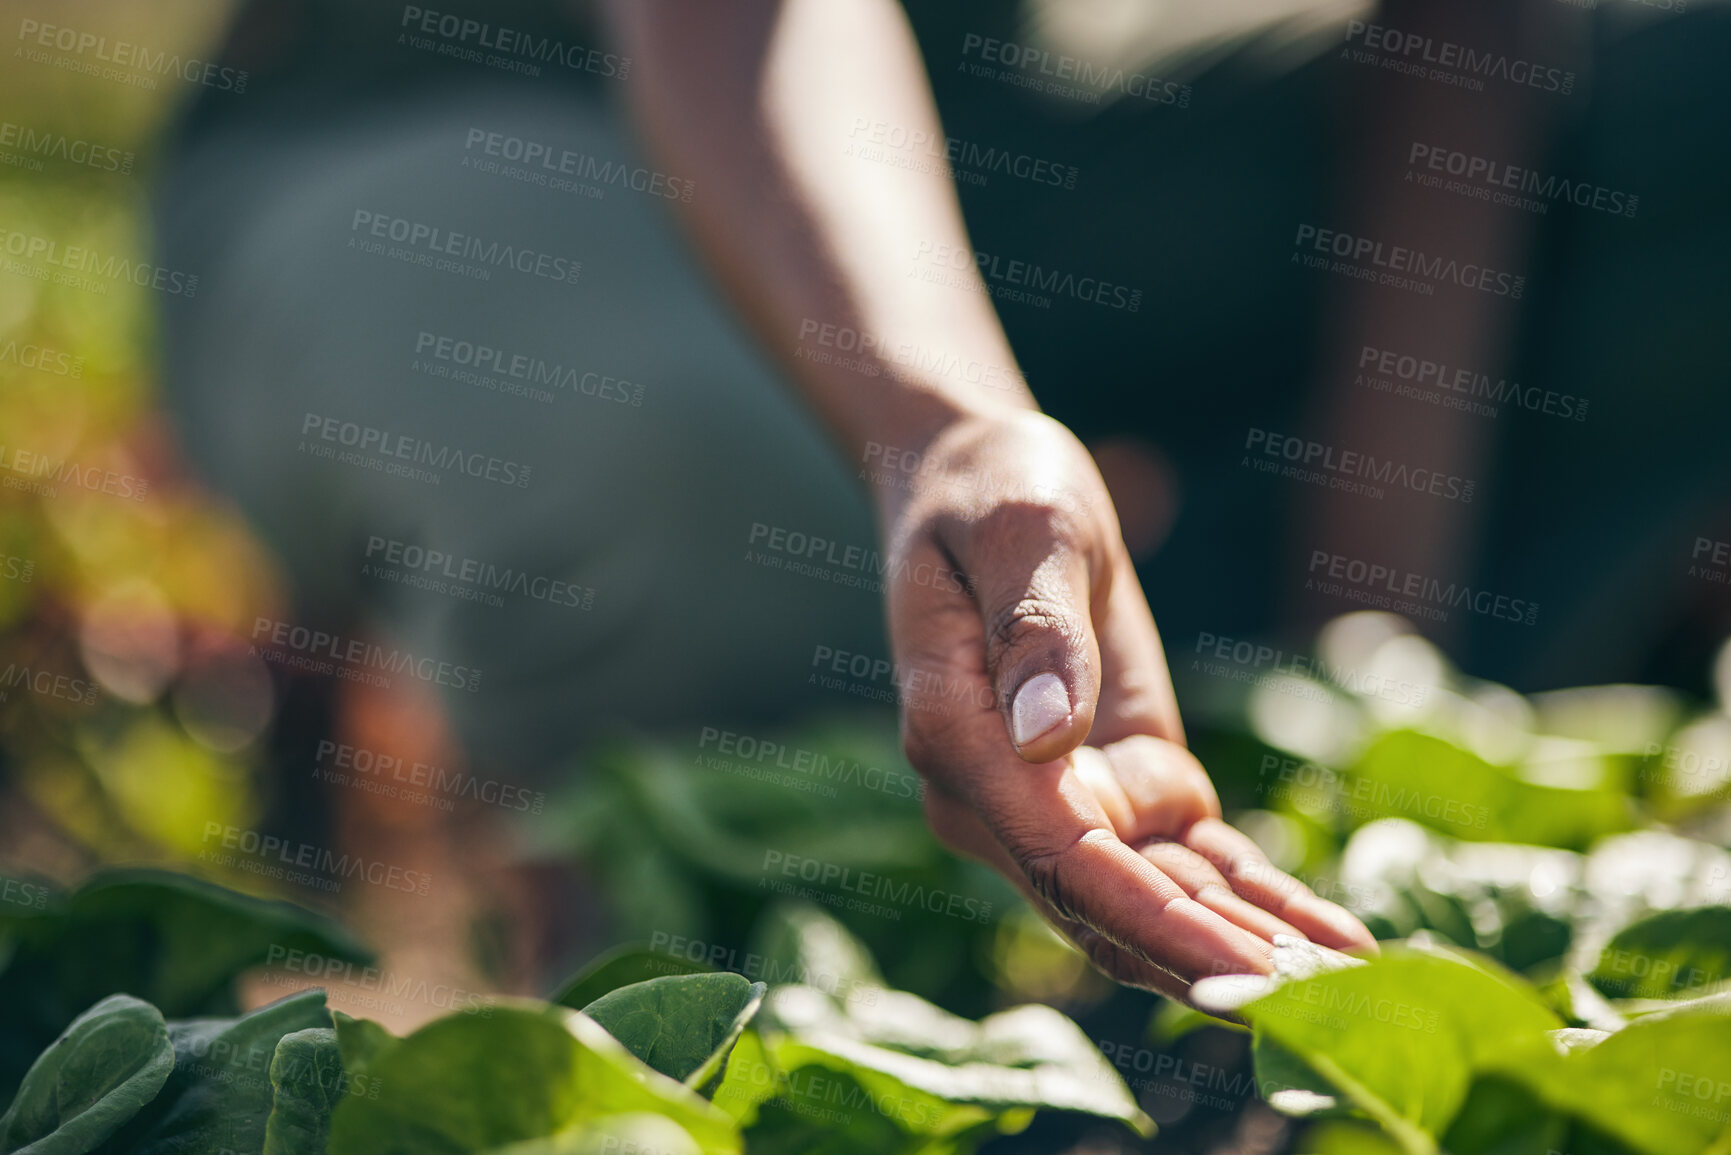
1036, 699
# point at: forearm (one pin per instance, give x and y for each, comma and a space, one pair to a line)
756, 102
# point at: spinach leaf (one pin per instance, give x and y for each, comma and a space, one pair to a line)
1408, 774
307, 1076
519, 1072
682, 1025
1666, 954
219, 1094
621, 967
1402, 1037
1661, 1085
905, 1050
178, 943
639, 1133
361, 1042
111, 1061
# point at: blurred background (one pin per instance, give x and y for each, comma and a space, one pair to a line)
612, 765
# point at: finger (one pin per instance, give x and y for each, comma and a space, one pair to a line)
1136, 694
1149, 788
1154, 789
1059, 839
1242, 863
1203, 883
1035, 587
960, 828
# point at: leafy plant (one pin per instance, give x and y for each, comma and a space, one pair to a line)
175, 942
111, 1061
1442, 1052
684, 840
684, 1063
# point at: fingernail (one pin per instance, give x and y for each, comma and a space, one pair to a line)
1224, 994
1041, 704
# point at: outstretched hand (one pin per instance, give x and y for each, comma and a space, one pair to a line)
1043, 644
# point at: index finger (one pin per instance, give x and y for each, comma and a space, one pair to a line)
1053, 830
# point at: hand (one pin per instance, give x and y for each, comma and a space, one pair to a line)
1043, 641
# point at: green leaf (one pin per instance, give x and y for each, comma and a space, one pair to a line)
621, 967
1402, 1037
1029, 1057
681, 1025
516, 1072
1344, 1138
1503, 1117
219, 1094
1662, 1084
638, 1133
749, 1080
1514, 903
111, 1061
307, 1076
1666, 954
176, 942
360, 1042
1289, 1085
800, 943
1407, 774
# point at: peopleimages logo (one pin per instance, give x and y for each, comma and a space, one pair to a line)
1475, 389
431, 240
765, 753
1018, 280
1246, 661
1363, 799
1369, 581
528, 371
328, 653
76, 259
401, 447
280, 858
38, 473
483, 577
509, 48
871, 354
347, 765
965, 160
835, 876
123, 55
1396, 265
1498, 182
1348, 469
1431, 59
545, 162
46, 684
854, 565
37, 145
1059, 74
41, 358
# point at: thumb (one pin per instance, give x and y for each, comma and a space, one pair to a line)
1033, 589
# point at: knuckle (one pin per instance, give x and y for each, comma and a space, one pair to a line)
1039, 521
1022, 622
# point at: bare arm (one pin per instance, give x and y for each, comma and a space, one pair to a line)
1048, 643
760, 99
